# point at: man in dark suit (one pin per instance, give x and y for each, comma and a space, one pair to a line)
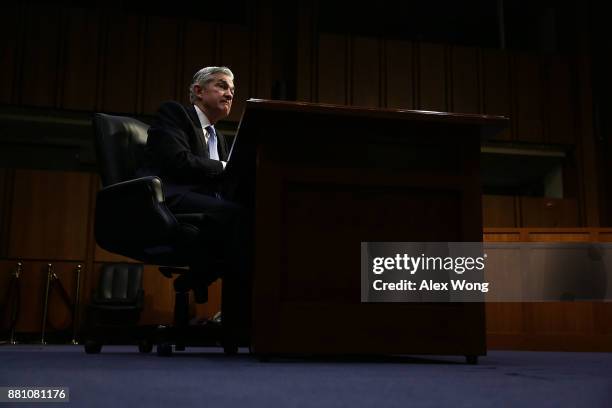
189, 155
185, 149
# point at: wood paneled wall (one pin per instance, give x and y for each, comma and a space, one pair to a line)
496, 88
6, 195
88, 59
533, 90
516, 211
564, 326
50, 215
546, 97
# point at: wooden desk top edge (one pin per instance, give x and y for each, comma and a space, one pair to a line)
402, 114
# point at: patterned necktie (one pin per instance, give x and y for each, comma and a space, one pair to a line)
212, 143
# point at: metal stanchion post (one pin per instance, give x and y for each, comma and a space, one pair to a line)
75, 309
15, 298
46, 304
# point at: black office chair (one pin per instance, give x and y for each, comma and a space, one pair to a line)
115, 309
133, 220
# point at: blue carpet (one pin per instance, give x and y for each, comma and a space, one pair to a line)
200, 377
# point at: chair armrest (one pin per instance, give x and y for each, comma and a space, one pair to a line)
132, 214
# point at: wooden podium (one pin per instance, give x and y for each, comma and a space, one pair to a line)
326, 179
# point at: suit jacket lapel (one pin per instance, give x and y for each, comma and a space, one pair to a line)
197, 128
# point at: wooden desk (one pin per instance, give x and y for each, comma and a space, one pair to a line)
329, 177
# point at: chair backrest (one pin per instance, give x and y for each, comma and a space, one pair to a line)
119, 282
120, 147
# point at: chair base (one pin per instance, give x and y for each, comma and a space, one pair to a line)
231, 333
100, 335
172, 338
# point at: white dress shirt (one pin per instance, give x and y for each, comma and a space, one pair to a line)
204, 122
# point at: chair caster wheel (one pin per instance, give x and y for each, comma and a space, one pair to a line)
92, 347
164, 349
145, 346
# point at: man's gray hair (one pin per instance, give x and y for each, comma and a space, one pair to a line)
206, 75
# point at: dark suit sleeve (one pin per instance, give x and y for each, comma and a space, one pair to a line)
169, 146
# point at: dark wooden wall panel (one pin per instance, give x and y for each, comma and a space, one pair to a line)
602, 311
465, 84
587, 152
6, 195
49, 215
236, 54
41, 56
160, 62
6, 268
562, 317
102, 255
549, 212
527, 82
365, 72
263, 55
432, 77
566, 326
560, 118
332, 69
199, 50
121, 67
602, 315
4, 211
496, 87
400, 89
305, 75
550, 235
81, 59
505, 318
498, 211
10, 34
